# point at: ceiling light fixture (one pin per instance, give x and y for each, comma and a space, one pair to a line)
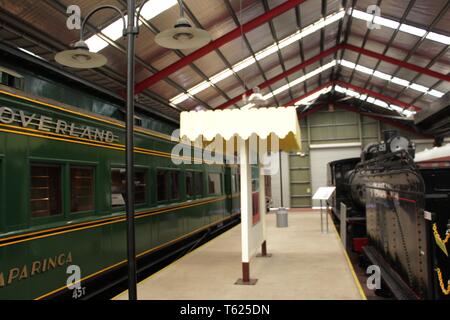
246, 62
80, 57
256, 98
183, 35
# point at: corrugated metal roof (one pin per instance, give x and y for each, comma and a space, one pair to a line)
46, 34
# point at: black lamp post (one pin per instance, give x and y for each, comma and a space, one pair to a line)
82, 58
182, 36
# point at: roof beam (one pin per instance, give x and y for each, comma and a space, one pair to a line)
349, 108
307, 94
282, 75
333, 50
377, 95
355, 88
258, 21
393, 123
400, 63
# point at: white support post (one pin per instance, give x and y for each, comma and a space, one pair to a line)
246, 211
262, 212
262, 202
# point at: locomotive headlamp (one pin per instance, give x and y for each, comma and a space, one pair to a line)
80, 57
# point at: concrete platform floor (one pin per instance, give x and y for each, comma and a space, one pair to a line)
305, 264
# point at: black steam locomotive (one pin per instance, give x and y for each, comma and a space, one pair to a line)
405, 203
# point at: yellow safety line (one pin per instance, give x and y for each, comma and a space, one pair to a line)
142, 253
178, 260
352, 270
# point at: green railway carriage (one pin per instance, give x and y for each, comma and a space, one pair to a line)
62, 184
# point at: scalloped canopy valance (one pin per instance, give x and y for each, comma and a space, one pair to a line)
228, 124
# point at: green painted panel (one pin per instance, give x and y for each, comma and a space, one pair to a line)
300, 175
297, 161
300, 202
300, 189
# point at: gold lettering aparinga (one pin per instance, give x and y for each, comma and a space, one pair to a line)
29, 270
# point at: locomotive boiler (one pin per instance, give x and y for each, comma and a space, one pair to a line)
407, 218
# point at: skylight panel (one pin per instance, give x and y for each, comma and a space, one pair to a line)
96, 43
266, 52
364, 69
360, 14
347, 64
396, 108
115, 30
222, 75
419, 32
297, 81
290, 40
268, 96
352, 93
374, 101
154, 8
438, 38
382, 75
419, 87
436, 93
278, 46
335, 17
314, 96
381, 104
179, 98
363, 97
313, 28
400, 82
412, 30
408, 113
386, 22
244, 64
340, 89
370, 100
281, 89
200, 87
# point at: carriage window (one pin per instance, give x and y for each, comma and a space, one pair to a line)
82, 189
162, 184
190, 183
45, 191
198, 181
194, 183
168, 191
140, 186
118, 187
215, 183
175, 194
233, 183
11, 78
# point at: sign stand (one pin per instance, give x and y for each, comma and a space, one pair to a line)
323, 193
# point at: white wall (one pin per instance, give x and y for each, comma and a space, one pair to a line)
321, 155
275, 183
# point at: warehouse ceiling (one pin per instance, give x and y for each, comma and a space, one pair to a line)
299, 52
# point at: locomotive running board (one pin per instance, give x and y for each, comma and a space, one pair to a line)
390, 277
